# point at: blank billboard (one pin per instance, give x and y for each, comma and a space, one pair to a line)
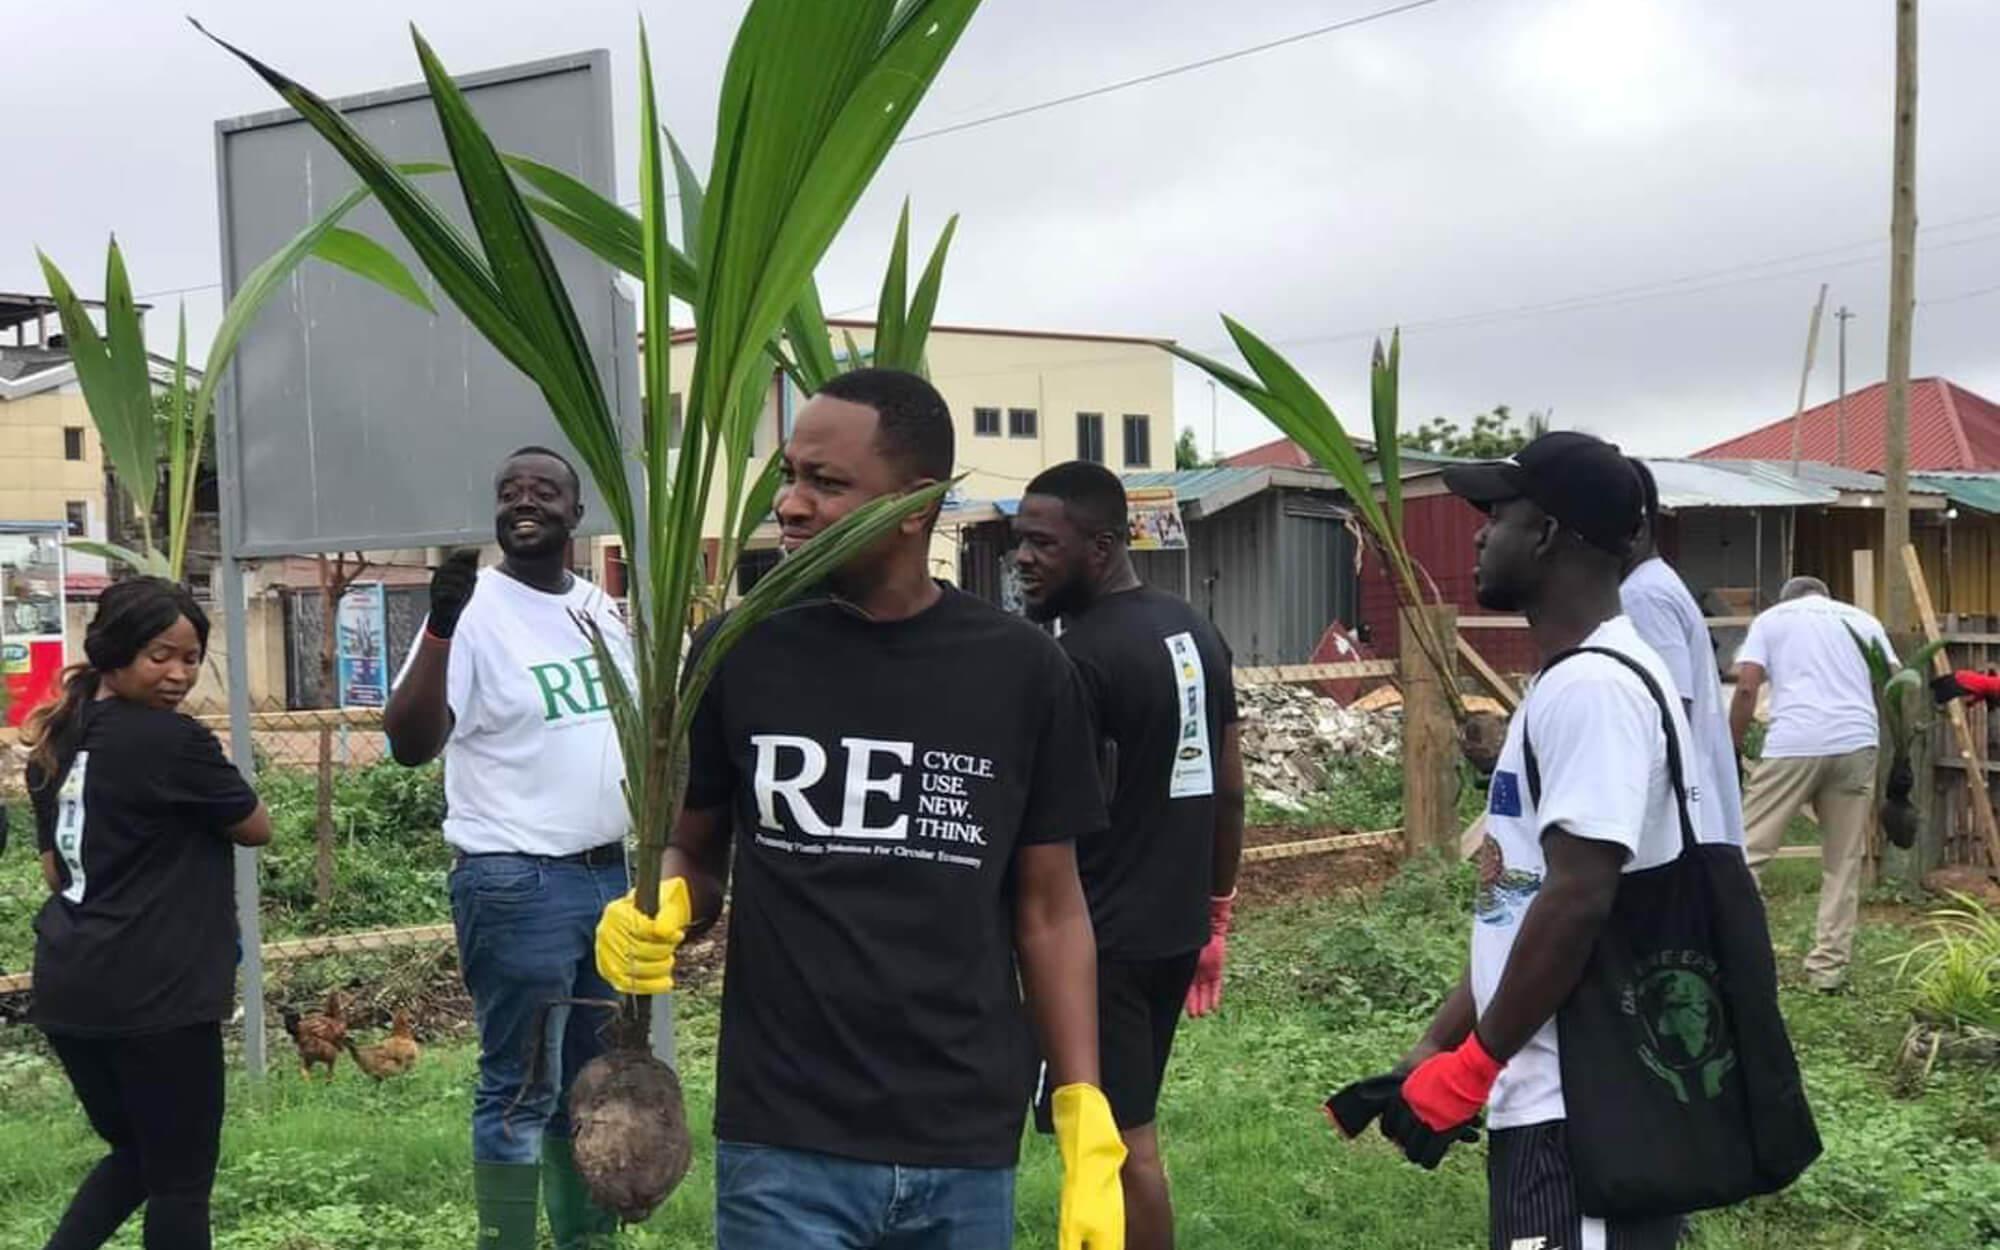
354, 420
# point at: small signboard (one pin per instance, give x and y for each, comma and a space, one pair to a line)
361, 658
1153, 518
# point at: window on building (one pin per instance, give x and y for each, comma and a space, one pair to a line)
1021, 423
1090, 437
72, 442
986, 422
77, 513
1138, 440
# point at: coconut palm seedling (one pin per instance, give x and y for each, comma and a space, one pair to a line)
1277, 389
1895, 689
1953, 980
802, 351
812, 98
113, 370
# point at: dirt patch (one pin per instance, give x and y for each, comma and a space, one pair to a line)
1324, 874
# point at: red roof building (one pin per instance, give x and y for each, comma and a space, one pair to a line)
1951, 430
1278, 453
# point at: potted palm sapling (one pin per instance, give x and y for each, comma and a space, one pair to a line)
1896, 689
812, 98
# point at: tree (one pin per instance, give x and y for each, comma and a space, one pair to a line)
336, 576
1493, 434
1187, 455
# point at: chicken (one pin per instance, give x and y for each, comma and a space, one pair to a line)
394, 1055
318, 1036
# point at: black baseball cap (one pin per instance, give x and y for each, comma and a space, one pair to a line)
1583, 482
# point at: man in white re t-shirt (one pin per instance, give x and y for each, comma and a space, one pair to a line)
1819, 749
504, 681
1562, 514
1664, 613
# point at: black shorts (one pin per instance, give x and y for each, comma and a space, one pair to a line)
1531, 1199
1139, 1003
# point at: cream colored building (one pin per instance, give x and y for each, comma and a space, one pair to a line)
51, 460
1022, 400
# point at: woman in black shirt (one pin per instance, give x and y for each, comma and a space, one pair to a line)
135, 949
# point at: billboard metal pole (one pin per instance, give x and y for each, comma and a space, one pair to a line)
249, 926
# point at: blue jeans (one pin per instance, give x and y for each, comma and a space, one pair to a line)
767, 1198
526, 929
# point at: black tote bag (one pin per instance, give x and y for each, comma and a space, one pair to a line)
1681, 1086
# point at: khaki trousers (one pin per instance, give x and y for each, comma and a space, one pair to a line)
1841, 789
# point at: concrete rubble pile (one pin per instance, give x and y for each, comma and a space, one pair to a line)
1292, 736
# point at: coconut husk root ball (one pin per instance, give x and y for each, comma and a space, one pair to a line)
629, 1132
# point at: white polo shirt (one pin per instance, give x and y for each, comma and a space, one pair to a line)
1822, 698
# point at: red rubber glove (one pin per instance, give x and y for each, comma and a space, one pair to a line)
1205, 993
1967, 684
1451, 1087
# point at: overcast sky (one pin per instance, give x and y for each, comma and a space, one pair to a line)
1616, 209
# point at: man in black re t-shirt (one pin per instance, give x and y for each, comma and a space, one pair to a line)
1162, 879
902, 769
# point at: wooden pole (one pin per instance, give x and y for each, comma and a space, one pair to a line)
1805, 377
1968, 749
1840, 420
1902, 312
1430, 739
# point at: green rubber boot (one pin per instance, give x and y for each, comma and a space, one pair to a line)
505, 1195
575, 1222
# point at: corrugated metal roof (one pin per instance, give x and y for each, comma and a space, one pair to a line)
1980, 491
1209, 490
1733, 484
1839, 477
1193, 484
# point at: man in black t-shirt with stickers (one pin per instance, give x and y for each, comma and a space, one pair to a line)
1162, 878
903, 770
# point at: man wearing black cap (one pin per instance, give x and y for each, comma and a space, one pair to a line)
1600, 802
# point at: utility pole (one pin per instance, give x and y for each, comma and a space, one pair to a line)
1902, 310
1840, 422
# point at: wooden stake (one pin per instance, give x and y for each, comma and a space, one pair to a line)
1805, 374
1430, 738
1864, 582
1969, 751
1486, 673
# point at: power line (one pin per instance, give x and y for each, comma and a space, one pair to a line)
1170, 72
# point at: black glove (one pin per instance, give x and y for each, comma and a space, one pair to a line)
451, 590
1356, 1106
1421, 1144
1945, 687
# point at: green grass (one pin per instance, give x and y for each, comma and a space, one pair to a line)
1319, 993
1360, 794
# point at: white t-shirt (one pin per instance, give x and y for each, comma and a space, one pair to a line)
1667, 618
532, 763
1822, 699
1603, 763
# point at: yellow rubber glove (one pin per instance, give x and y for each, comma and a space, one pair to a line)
635, 952
1093, 1201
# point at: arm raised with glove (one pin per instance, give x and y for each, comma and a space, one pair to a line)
1966, 684
418, 717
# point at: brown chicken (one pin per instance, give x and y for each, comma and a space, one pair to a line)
394, 1055
320, 1035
